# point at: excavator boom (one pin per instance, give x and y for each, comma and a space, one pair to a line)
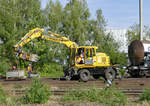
60, 39
38, 33
35, 33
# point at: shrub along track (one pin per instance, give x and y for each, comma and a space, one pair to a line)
130, 86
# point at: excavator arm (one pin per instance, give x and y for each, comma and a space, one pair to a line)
59, 39
38, 33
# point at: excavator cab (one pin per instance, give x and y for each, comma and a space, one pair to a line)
83, 56
86, 57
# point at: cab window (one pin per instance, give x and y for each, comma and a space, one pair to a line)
88, 53
93, 52
80, 51
80, 56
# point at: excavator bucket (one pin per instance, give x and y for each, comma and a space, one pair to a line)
33, 58
29, 57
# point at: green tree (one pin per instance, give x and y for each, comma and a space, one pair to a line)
134, 34
16, 18
105, 41
76, 15
68, 21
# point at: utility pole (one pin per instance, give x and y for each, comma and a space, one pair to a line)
141, 18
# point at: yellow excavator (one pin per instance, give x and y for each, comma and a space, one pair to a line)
84, 61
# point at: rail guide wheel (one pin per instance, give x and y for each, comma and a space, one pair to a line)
84, 75
110, 74
96, 76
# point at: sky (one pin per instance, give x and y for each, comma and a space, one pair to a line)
119, 14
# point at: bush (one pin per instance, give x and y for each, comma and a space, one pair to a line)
4, 67
37, 93
51, 70
145, 96
108, 97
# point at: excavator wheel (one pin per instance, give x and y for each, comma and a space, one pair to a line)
110, 74
84, 75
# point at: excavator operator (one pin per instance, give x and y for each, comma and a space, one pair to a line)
80, 59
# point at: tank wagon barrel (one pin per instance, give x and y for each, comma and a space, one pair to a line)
136, 52
139, 56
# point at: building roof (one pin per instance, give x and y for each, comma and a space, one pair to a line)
146, 41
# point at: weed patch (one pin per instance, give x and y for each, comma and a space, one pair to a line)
3, 97
110, 97
145, 96
17, 86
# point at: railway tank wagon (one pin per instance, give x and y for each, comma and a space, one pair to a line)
139, 56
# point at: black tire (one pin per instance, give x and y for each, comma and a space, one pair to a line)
96, 76
67, 74
110, 74
135, 74
84, 75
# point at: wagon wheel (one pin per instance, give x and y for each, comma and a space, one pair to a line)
110, 74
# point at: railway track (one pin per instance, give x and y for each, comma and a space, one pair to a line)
133, 92
62, 92
130, 83
129, 86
